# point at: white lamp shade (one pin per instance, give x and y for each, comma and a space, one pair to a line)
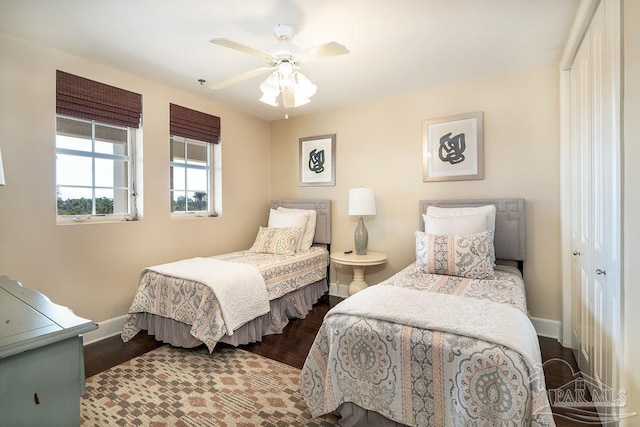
1, 171
362, 201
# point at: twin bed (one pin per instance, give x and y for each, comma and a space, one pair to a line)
445, 341
175, 302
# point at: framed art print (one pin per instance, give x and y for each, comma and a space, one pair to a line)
318, 161
453, 148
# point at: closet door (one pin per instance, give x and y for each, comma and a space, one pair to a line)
605, 261
600, 188
595, 200
581, 203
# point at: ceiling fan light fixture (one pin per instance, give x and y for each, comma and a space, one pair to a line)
270, 99
299, 99
297, 86
284, 81
304, 85
271, 85
287, 84
285, 68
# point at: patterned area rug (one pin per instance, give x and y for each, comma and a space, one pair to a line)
189, 387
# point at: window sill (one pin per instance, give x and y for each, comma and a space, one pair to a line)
193, 215
106, 219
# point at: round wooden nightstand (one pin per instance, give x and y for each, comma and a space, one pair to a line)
358, 262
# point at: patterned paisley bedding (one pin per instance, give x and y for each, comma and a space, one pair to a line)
195, 304
429, 376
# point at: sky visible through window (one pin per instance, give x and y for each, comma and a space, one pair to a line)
77, 171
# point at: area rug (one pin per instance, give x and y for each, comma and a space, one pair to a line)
189, 387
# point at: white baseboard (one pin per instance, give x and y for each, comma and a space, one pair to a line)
544, 327
547, 328
339, 290
106, 329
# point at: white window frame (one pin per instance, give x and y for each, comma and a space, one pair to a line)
132, 212
213, 178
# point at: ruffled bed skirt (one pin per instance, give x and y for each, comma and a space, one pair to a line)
352, 415
294, 305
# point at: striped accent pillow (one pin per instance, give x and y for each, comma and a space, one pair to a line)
279, 241
455, 255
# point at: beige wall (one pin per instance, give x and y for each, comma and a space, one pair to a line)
93, 268
379, 145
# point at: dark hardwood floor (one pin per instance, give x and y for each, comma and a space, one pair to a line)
291, 347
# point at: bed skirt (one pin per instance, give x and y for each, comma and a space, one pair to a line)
294, 305
352, 415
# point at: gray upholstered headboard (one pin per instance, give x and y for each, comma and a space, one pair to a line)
509, 240
323, 218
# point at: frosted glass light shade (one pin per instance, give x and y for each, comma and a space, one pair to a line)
304, 85
270, 99
299, 100
362, 201
286, 79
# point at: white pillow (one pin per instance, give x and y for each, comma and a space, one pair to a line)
454, 225
489, 210
310, 230
288, 220
457, 221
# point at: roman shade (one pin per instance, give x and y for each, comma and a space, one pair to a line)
192, 124
88, 99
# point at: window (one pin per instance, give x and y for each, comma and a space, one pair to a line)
190, 175
195, 162
96, 128
93, 168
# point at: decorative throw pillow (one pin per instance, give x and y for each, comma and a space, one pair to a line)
278, 219
454, 255
279, 241
310, 229
466, 220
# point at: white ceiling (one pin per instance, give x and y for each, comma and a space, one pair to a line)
397, 46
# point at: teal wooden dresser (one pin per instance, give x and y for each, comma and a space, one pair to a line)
41, 359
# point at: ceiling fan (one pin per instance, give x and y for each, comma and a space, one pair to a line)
283, 63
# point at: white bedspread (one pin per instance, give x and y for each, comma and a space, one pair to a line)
239, 288
484, 319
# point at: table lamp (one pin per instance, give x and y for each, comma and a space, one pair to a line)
362, 202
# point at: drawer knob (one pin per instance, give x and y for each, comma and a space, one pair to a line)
601, 272
576, 253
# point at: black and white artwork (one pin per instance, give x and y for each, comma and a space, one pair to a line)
453, 148
318, 160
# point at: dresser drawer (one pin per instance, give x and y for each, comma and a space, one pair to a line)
42, 387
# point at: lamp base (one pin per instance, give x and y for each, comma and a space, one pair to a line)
361, 238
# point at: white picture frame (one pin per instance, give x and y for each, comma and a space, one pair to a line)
453, 148
317, 161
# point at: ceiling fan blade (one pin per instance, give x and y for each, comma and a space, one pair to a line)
240, 77
288, 100
240, 47
321, 51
